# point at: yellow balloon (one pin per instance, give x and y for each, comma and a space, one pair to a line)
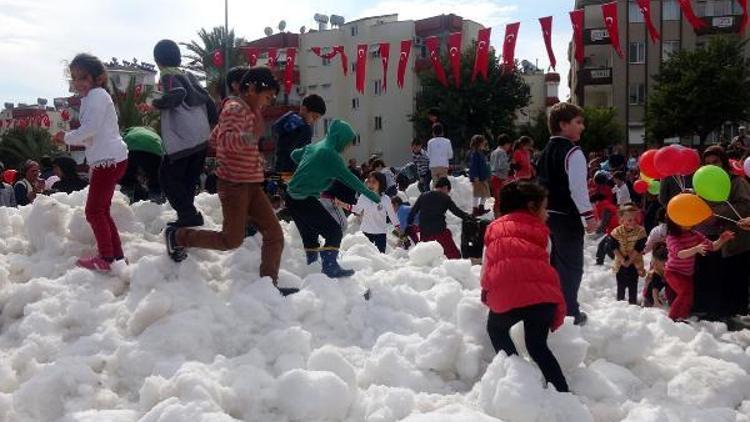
688, 210
646, 178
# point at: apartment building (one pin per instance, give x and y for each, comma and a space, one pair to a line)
606, 80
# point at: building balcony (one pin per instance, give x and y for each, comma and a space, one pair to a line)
596, 36
595, 76
720, 25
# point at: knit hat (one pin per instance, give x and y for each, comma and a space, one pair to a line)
314, 103
167, 53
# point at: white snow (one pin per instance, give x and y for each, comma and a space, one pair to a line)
208, 340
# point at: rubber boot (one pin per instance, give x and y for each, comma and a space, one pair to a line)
331, 267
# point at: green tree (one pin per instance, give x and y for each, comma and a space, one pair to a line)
602, 129
697, 91
127, 102
200, 56
538, 130
32, 142
479, 107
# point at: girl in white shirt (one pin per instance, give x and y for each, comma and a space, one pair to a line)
374, 224
106, 155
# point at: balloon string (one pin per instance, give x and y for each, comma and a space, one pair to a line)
679, 182
733, 209
726, 218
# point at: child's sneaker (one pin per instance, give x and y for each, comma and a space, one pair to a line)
177, 253
94, 263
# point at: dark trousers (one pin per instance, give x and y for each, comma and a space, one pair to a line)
312, 220
179, 178
537, 320
567, 256
736, 274
147, 164
627, 278
709, 281
604, 249
378, 240
424, 182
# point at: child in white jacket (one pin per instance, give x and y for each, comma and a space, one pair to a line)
374, 216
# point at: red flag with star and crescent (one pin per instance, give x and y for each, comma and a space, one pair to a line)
252, 56
361, 67
454, 53
482, 55
546, 23
687, 10
272, 57
576, 19
745, 18
645, 8
385, 52
609, 11
433, 49
339, 49
509, 46
403, 61
291, 56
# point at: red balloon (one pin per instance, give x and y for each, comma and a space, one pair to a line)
737, 167
689, 160
640, 186
647, 165
667, 160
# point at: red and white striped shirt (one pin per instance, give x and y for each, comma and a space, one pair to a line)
687, 240
235, 140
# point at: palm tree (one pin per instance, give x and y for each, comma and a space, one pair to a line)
30, 143
126, 103
200, 58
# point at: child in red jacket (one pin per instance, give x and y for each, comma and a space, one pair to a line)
606, 212
518, 282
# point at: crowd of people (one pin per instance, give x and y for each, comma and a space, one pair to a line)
544, 202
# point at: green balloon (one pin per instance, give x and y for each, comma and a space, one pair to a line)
653, 187
712, 183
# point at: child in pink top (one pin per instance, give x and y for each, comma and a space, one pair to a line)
683, 244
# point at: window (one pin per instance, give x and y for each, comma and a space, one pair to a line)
637, 94
355, 103
634, 13
710, 8
668, 48
378, 86
312, 87
637, 52
354, 66
357, 140
326, 124
378, 123
670, 10
355, 30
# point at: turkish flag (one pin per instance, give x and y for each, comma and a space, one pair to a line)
272, 57
687, 10
339, 49
138, 90
744, 21
509, 46
217, 57
576, 19
433, 48
547, 35
45, 121
316, 50
65, 114
609, 11
361, 67
645, 7
403, 61
252, 56
385, 52
482, 56
454, 54
291, 55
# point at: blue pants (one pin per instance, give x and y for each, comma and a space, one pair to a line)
567, 256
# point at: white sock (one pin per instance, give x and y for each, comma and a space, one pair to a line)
481, 201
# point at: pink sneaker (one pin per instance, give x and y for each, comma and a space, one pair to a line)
94, 263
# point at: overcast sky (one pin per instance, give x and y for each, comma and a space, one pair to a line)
38, 36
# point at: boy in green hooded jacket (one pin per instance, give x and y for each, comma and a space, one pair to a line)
319, 165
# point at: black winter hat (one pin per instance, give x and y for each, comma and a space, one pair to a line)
167, 53
315, 104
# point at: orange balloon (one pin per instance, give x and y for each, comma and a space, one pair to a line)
688, 210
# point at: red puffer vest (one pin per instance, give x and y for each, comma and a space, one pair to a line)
517, 271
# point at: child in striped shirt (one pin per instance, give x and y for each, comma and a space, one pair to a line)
240, 175
683, 244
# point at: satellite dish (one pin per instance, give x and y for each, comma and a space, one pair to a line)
282, 26
337, 20
268, 31
302, 29
320, 18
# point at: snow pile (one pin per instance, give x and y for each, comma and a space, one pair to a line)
208, 340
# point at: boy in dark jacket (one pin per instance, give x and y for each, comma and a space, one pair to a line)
431, 207
295, 130
187, 115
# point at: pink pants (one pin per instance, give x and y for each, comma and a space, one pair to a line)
101, 189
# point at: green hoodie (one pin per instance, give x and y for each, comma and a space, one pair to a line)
141, 138
321, 163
